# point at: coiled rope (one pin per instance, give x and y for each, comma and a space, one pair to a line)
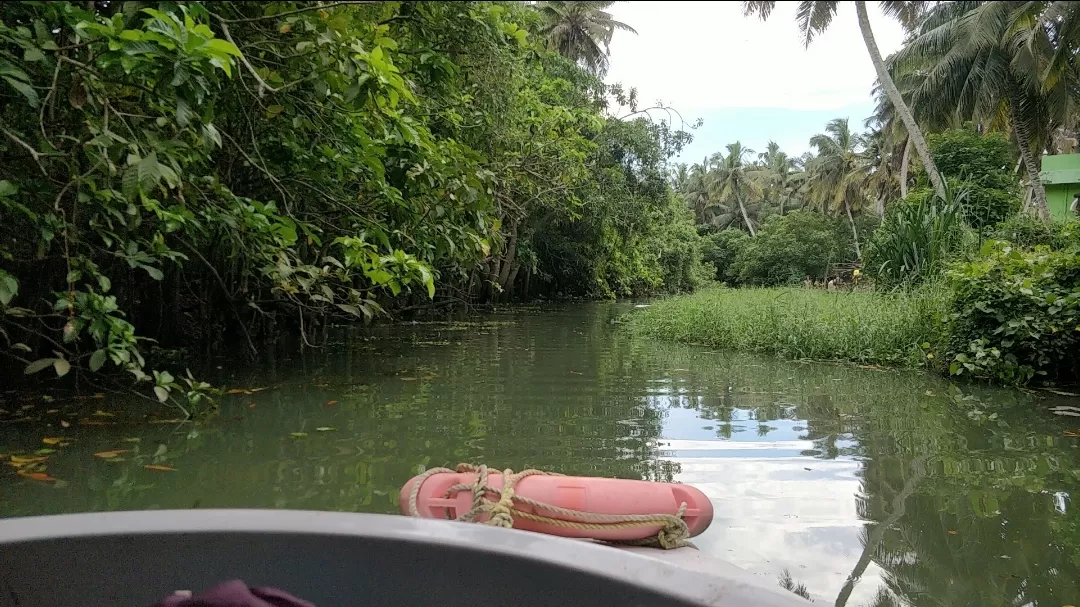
673, 533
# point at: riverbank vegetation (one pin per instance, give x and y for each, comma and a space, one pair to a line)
176, 178
867, 327
192, 175
931, 224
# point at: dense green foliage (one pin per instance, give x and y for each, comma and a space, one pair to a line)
860, 326
1027, 231
919, 235
793, 248
1016, 314
980, 166
197, 173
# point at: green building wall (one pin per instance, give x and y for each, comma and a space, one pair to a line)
1061, 177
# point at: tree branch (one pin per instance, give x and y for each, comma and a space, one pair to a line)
294, 12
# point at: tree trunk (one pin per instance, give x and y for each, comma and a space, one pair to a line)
905, 165
915, 134
1031, 163
746, 218
511, 251
854, 230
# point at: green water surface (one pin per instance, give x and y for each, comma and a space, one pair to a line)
871, 487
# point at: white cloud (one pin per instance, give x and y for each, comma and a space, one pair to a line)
700, 56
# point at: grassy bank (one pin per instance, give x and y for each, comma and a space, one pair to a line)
857, 326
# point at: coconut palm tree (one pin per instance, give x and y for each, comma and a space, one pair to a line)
996, 63
814, 17
734, 195
696, 190
780, 177
581, 31
839, 173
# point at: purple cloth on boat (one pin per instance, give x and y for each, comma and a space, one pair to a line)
235, 594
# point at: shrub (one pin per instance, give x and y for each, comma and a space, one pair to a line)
979, 165
1028, 232
792, 247
1016, 314
721, 248
919, 235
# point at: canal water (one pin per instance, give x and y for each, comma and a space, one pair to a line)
867, 486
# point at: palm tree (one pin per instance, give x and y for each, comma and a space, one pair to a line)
780, 177
814, 17
581, 31
997, 63
838, 172
732, 191
696, 190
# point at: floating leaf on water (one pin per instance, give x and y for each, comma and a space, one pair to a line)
52, 440
159, 468
101, 413
407, 378
1066, 411
161, 449
174, 420
953, 532
44, 451
251, 405
65, 424
321, 385
94, 422
331, 402
111, 454
132, 440
37, 476
298, 434
325, 429
22, 460
238, 391
52, 411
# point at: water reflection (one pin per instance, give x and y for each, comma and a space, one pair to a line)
871, 487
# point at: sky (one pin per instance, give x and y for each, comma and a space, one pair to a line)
748, 80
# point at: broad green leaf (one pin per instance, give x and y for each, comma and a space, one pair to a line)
9, 288
218, 45
33, 54
161, 393
154, 273
62, 367
97, 359
25, 89
38, 365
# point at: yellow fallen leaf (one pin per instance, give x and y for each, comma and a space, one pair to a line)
238, 391
37, 476
952, 532
110, 454
160, 468
331, 402
52, 440
101, 413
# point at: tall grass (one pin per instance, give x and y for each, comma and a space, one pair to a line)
900, 328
